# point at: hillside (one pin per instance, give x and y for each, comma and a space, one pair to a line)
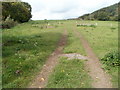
104, 14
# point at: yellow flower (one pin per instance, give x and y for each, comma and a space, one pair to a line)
62, 71
82, 83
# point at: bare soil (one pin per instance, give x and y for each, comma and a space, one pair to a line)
42, 78
100, 78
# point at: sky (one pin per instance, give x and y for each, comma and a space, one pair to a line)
65, 9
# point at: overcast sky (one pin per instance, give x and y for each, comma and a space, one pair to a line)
64, 9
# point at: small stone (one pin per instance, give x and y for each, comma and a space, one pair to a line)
96, 77
42, 79
39, 87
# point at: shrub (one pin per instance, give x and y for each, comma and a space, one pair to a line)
112, 28
8, 23
19, 11
94, 26
111, 59
78, 25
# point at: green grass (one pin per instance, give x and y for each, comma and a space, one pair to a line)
25, 50
27, 46
103, 39
73, 44
69, 74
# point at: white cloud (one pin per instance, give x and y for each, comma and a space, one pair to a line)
62, 9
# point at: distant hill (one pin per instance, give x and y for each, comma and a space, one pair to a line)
104, 14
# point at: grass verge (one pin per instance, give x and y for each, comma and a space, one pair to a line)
73, 44
69, 74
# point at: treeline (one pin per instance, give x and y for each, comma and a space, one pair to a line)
15, 12
110, 13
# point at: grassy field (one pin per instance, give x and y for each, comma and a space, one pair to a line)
103, 39
27, 46
25, 50
73, 43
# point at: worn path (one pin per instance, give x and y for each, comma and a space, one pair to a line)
100, 78
42, 78
93, 65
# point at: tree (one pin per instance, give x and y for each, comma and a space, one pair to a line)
5, 9
19, 11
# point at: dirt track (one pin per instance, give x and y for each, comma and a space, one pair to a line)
42, 78
100, 78
93, 65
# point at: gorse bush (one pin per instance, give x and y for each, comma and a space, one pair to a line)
18, 11
8, 23
13, 12
111, 59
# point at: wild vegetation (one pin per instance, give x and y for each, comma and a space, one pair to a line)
15, 12
25, 53
105, 14
27, 46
